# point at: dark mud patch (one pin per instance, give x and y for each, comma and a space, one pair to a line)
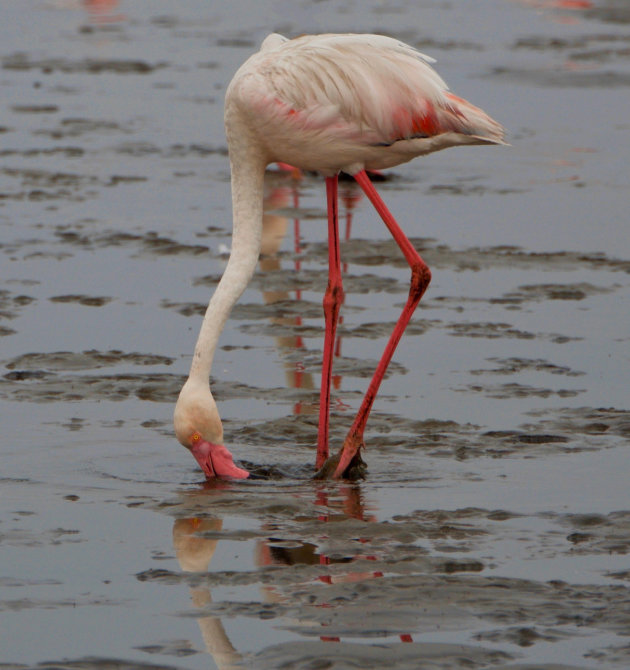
430, 43
525, 636
82, 237
546, 43
514, 365
492, 330
373, 331
185, 308
11, 306
23, 62
558, 430
78, 127
17, 537
543, 292
282, 330
62, 152
604, 421
35, 109
177, 648
93, 663
378, 252
27, 604
298, 429
50, 385
24, 375
86, 360
47, 185
598, 533
147, 243
617, 656
238, 39
279, 309
315, 280
138, 149
556, 78
154, 387
368, 331
516, 390
438, 439
362, 368
609, 11
38, 185
429, 656
79, 299
489, 330
596, 49
43, 377
464, 188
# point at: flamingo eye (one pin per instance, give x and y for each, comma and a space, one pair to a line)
195, 437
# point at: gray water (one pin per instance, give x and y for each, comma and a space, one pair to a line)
493, 530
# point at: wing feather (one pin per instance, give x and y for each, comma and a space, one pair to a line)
372, 82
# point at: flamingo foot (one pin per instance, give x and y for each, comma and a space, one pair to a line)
347, 463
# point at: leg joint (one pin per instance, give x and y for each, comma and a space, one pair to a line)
333, 295
420, 278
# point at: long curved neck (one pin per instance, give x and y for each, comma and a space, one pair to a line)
248, 171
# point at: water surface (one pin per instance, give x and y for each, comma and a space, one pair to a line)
493, 529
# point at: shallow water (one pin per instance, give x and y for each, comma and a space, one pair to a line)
493, 530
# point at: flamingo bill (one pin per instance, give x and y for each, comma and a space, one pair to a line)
216, 461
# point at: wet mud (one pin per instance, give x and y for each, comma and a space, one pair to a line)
493, 528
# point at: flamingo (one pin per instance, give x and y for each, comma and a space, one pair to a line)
325, 103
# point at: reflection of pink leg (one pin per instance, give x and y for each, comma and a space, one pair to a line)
332, 302
299, 343
349, 200
420, 278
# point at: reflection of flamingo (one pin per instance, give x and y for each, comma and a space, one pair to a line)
326, 103
559, 10
195, 541
349, 197
273, 230
274, 227
194, 555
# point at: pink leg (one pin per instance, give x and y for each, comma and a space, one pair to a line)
420, 278
332, 302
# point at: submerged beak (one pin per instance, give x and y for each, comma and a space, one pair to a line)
216, 461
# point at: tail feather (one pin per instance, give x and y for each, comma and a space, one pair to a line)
470, 120
452, 114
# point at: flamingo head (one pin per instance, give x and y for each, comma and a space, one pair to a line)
198, 427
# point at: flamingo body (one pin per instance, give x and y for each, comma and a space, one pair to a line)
342, 103
325, 103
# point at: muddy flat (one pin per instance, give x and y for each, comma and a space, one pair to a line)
493, 528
